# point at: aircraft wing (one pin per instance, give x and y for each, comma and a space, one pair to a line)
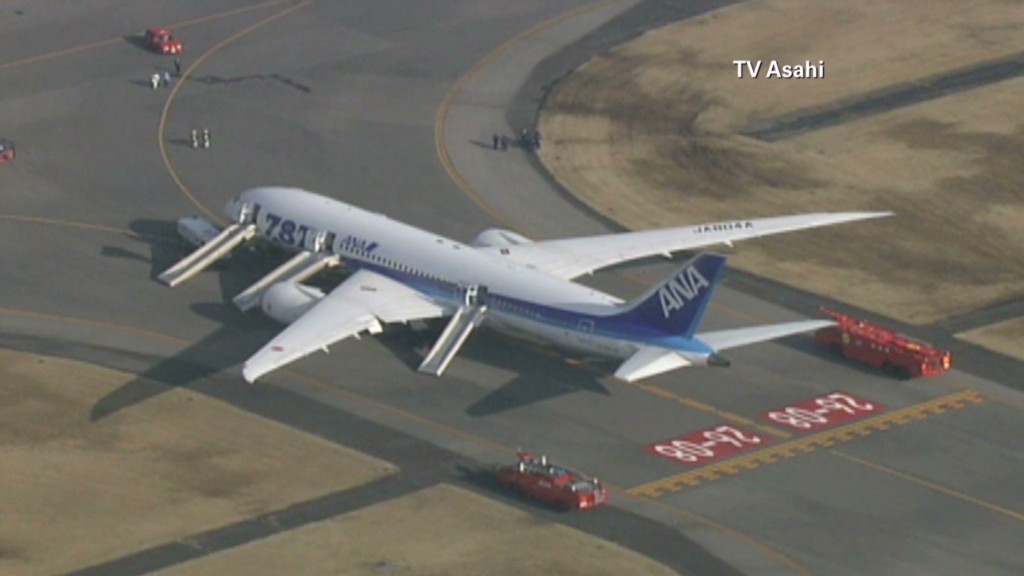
572, 257
358, 304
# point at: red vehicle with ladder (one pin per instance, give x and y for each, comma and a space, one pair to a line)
879, 347
561, 487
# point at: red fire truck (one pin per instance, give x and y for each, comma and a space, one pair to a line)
879, 347
561, 487
161, 41
6, 150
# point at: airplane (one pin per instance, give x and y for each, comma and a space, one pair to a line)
404, 274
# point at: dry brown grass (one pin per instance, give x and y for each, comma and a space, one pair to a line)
74, 492
647, 134
1004, 337
438, 531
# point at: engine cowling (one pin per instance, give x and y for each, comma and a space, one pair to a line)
286, 301
499, 238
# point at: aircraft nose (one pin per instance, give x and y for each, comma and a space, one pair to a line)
232, 208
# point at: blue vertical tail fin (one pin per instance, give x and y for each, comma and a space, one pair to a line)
677, 306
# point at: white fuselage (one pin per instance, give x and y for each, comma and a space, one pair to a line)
521, 301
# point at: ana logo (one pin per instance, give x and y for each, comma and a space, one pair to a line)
357, 244
678, 291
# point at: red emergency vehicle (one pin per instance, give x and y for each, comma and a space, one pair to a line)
559, 486
879, 347
162, 41
6, 150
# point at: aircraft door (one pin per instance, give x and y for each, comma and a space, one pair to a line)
471, 295
585, 331
247, 213
315, 241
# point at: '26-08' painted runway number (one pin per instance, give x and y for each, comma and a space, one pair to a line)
706, 446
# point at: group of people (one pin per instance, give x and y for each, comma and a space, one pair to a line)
201, 136
528, 140
157, 79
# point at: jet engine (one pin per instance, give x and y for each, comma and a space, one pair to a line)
499, 238
286, 301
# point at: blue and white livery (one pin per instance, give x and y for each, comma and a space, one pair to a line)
518, 286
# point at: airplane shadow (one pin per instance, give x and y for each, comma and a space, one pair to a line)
137, 40
118, 252
236, 338
539, 376
183, 142
280, 79
223, 349
482, 144
143, 83
165, 246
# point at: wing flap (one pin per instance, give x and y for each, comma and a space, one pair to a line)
357, 305
572, 257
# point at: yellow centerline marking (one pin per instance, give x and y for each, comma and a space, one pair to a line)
108, 41
931, 486
161, 128
824, 439
85, 226
697, 405
453, 93
95, 324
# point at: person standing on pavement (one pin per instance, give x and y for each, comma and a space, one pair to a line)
154, 80
177, 67
167, 78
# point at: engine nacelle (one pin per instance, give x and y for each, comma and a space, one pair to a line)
286, 301
499, 238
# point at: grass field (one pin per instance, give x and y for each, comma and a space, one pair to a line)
75, 492
648, 134
437, 531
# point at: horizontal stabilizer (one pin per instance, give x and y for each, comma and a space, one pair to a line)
650, 361
736, 337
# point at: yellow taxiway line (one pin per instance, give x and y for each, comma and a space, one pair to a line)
824, 439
